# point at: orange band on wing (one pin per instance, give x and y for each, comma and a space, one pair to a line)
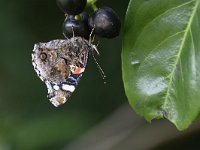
78, 70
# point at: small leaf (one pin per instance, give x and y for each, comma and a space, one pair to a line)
161, 59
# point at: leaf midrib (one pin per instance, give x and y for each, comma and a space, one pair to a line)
179, 52
160, 15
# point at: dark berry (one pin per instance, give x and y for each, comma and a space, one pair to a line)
79, 27
105, 22
84, 16
72, 7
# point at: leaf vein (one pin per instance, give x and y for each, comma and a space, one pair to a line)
165, 12
179, 53
162, 42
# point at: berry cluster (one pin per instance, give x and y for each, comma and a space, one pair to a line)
104, 21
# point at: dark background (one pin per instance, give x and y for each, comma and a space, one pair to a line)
27, 119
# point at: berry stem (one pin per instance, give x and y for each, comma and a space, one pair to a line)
91, 3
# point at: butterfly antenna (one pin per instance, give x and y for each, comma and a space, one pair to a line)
99, 68
65, 36
91, 39
97, 45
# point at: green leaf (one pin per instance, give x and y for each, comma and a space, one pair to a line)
161, 59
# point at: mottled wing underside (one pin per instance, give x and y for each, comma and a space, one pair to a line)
60, 64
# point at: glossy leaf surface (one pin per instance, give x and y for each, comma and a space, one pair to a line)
161, 59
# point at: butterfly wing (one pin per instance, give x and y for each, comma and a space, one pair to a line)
60, 64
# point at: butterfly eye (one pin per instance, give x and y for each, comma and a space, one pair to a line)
43, 56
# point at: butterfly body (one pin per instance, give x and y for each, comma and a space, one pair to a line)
60, 64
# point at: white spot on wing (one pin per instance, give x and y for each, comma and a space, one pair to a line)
56, 87
49, 87
69, 88
37, 71
34, 65
82, 70
32, 56
54, 102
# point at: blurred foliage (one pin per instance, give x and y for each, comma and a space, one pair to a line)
28, 121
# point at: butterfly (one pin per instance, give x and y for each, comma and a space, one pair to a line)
60, 65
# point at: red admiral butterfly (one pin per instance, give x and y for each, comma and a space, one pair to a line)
60, 64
